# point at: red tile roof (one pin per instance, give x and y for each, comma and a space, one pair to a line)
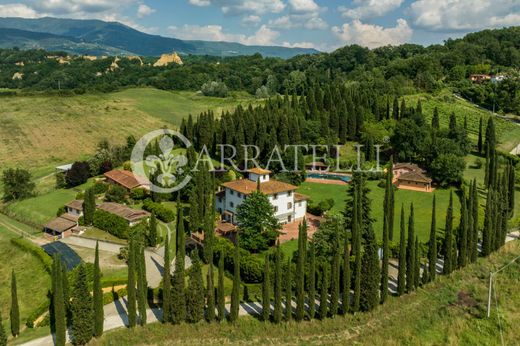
270, 187
417, 177
123, 178
127, 213
259, 171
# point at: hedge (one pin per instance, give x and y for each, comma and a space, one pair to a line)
26, 245
113, 224
251, 267
162, 212
40, 310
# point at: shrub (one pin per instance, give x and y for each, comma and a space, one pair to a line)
162, 212
138, 194
40, 310
251, 267
99, 188
115, 194
216, 89
78, 174
321, 207
61, 210
26, 245
113, 224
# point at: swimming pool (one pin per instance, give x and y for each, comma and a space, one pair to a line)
330, 176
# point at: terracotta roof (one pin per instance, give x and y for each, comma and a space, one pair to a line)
123, 178
415, 177
60, 225
225, 227
123, 211
70, 217
299, 197
270, 187
411, 166
76, 204
258, 171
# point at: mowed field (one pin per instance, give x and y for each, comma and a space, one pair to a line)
40, 132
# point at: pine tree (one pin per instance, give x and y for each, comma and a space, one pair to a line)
97, 297
475, 231
410, 252
142, 285
81, 307
277, 314
356, 242
370, 275
487, 233
178, 296
448, 239
312, 281
386, 248
166, 291
300, 271
195, 292
89, 206
15, 310
132, 296
479, 142
221, 298
235, 294
324, 290
401, 278
432, 244
266, 292
345, 285
417, 266
58, 303
334, 287
462, 239
3, 335
65, 289
152, 233
208, 249
435, 119
288, 291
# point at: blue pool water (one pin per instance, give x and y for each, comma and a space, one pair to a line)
330, 176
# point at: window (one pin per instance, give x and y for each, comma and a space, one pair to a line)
275, 196
289, 193
289, 205
263, 177
231, 192
276, 209
289, 218
231, 204
220, 199
239, 195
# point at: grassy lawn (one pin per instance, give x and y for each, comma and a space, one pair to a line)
450, 311
288, 248
32, 279
14, 226
95, 233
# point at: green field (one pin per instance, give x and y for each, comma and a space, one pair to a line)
422, 202
32, 279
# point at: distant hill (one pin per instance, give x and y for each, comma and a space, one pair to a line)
96, 37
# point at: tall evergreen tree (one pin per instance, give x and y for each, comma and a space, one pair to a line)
288, 291
209, 252
132, 295
81, 308
195, 292
435, 119
370, 275
479, 142
166, 292
475, 231
401, 277
312, 280
432, 243
448, 239
417, 266
335, 272
89, 206
462, 239
356, 242
324, 290
395, 109
489, 222
300, 271
60, 326
152, 233
178, 296
142, 285
221, 298
266, 292
15, 310
235, 294
386, 236
277, 314
97, 298
345, 285
410, 252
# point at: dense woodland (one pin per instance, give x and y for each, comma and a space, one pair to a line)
395, 70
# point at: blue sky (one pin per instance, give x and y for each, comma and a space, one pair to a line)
322, 24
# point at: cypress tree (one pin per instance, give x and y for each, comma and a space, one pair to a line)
401, 277
3, 335
142, 285
324, 290
178, 296
266, 292
487, 239
432, 244
370, 275
81, 308
410, 252
208, 248
97, 297
89, 206
277, 314
221, 298
15, 310
312, 281
395, 109
334, 289
152, 234
386, 248
511, 186
166, 292
479, 142
345, 285
132, 314
435, 119
300, 271
235, 294
195, 292
462, 241
475, 231
65, 289
448, 239
417, 273
288, 291
58, 303
356, 242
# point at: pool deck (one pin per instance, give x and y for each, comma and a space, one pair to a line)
325, 181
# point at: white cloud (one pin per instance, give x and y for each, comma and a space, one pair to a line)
263, 36
298, 45
373, 36
311, 21
144, 10
18, 10
369, 8
304, 6
78, 7
464, 14
251, 19
240, 7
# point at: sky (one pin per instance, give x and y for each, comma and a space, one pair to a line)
322, 24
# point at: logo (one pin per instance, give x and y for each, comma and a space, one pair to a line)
158, 161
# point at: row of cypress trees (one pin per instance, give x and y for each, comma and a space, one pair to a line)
14, 315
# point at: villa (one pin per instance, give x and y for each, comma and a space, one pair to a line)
409, 176
288, 205
125, 179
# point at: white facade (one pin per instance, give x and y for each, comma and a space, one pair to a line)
286, 208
